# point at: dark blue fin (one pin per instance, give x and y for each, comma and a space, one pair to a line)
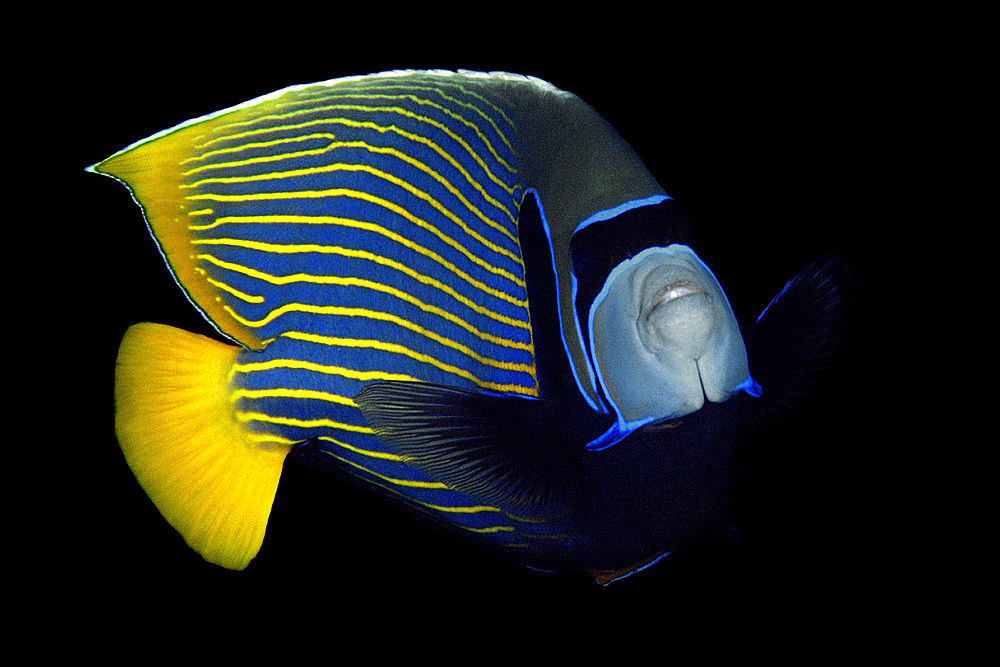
506, 451
797, 335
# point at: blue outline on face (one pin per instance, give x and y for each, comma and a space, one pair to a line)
607, 214
559, 305
600, 216
622, 428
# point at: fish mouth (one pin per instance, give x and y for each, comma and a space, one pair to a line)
675, 290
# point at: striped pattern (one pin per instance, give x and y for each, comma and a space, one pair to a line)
365, 230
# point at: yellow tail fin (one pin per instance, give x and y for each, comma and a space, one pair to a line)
176, 425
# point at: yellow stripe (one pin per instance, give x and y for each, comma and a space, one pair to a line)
399, 294
485, 100
364, 452
333, 280
434, 83
378, 201
450, 509
379, 316
364, 376
346, 252
399, 111
411, 483
369, 126
258, 144
282, 392
491, 529
270, 437
235, 292
334, 145
468, 509
432, 88
395, 180
443, 509
342, 93
427, 308
362, 254
424, 358
302, 423
432, 485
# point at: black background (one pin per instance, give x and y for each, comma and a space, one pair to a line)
786, 132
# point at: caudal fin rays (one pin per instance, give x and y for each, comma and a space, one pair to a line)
175, 423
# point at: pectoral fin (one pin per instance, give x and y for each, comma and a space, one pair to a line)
502, 450
797, 334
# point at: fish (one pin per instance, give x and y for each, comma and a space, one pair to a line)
463, 291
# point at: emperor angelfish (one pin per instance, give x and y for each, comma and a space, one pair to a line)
461, 290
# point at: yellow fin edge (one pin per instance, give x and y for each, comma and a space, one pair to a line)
175, 424
152, 171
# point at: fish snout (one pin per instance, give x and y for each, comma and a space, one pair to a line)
664, 337
678, 319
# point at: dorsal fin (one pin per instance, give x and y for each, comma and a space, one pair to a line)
157, 171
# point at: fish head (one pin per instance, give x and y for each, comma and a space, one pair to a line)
664, 338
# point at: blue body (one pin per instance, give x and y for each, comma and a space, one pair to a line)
367, 231
439, 230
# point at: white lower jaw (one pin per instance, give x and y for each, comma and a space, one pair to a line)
645, 384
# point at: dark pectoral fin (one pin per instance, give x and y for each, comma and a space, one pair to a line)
507, 451
798, 333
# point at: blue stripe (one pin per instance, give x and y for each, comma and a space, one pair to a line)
469, 328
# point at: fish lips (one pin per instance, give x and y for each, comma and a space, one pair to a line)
677, 307
664, 337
